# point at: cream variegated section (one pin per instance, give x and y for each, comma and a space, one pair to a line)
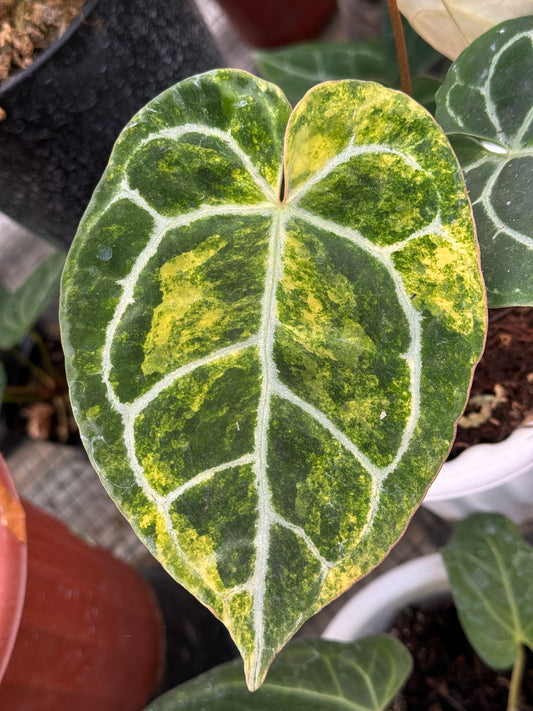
451, 25
257, 390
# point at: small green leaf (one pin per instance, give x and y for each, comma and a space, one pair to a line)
19, 311
298, 68
307, 676
486, 101
267, 385
490, 567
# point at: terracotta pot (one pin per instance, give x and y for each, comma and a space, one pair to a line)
271, 23
13, 565
90, 634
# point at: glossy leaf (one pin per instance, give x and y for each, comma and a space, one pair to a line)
298, 68
267, 387
490, 567
487, 102
451, 25
20, 310
307, 676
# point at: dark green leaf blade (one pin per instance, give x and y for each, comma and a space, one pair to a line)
487, 95
307, 676
490, 567
299, 67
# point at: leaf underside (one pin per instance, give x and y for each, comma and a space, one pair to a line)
486, 102
451, 25
267, 387
490, 567
316, 675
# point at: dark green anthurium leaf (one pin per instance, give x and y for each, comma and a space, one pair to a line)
490, 567
487, 101
299, 67
424, 89
20, 310
267, 385
307, 676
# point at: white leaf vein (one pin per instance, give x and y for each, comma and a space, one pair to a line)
263, 341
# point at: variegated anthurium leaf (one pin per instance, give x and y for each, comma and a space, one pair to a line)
487, 102
309, 675
266, 365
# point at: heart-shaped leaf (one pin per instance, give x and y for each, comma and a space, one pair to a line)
20, 310
487, 98
490, 567
451, 25
307, 676
267, 366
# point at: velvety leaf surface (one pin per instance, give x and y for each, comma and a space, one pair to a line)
451, 25
20, 310
296, 69
490, 567
268, 386
307, 676
487, 100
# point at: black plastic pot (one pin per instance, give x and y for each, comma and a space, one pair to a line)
65, 111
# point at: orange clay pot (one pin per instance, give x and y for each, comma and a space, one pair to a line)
89, 633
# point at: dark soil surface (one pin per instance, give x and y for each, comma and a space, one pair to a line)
447, 674
29, 26
501, 398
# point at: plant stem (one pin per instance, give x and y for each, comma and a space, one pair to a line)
34, 369
401, 49
513, 702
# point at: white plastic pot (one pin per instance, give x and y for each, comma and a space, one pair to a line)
422, 581
487, 477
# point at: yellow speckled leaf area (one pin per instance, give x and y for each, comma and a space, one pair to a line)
267, 387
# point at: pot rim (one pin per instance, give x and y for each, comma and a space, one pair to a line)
484, 466
373, 609
46, 54
13, 573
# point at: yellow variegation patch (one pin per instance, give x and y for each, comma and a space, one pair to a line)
273, 380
